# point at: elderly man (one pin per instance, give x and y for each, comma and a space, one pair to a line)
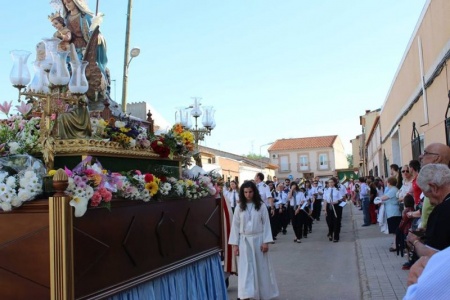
435, 153
434, 180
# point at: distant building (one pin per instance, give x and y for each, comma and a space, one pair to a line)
233, 166
140, 110
357, 149
308, 157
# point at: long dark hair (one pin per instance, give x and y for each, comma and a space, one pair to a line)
257, 201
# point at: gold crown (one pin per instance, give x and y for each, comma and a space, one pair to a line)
53, 16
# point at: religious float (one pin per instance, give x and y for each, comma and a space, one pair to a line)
112, 216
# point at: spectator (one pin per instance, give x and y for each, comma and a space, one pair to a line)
392, 209
434, 179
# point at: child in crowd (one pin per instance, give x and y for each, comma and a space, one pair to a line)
404, 227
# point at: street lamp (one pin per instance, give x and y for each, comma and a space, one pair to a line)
133, 53
128, 56
208, 121
260, 155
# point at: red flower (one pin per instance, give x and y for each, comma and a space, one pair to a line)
96, 199
163, 178
89, 172
107, 197
148, 177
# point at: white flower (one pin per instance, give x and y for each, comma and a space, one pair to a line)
119, 124
132, 143
6, 206
80, 204
24, 195
16, 202
3, 176
11, 181
13, 147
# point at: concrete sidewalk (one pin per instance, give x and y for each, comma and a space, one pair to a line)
381, 274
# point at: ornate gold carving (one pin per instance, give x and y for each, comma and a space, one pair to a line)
92, 146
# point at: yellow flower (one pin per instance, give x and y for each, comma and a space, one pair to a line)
189, 182
152, 187
96, 178
51, 172
124, 129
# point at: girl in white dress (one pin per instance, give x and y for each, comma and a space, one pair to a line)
250, 236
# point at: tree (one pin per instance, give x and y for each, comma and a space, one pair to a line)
350, 160
254, 156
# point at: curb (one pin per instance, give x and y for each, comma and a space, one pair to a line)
363, 280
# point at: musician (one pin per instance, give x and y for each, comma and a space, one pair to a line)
317, 196
296, 200
309, 207
282, 208
266, 195
334, 196
232, 195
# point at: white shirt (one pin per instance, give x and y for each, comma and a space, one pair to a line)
433, 283
265, 193
229, 195
282, 199
297, 199
317, 190
333, 195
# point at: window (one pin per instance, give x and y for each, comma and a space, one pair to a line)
323, 161
303, 162
284, 163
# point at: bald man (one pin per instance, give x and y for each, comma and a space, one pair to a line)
435, 153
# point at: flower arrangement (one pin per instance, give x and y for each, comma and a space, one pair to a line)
89, 181
137, 186
125, 133
19, 136
177, 141
20, 180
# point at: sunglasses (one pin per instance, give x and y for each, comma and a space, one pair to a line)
405, 171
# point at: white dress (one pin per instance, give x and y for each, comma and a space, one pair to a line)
250, 229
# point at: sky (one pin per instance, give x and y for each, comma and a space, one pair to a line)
272, 69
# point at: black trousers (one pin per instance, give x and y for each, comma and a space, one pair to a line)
296, 223
334, 221
275, 222
284, 219
304, 222
317, 208
269, 210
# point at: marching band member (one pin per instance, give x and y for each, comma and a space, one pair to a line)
282, 210
266, 195
317, 195
309, 206
333, 211
232, 195
296, 200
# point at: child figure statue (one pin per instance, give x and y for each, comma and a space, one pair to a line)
63, 33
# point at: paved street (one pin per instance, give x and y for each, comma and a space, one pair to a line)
360, 266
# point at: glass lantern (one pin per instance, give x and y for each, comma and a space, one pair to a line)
51, 45
20, 75
196, 111
78, 84
39, 84
59, 73
208, 116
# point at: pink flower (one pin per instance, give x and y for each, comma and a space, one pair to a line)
96, 198
138, 172
23, 108
103, 191
53, 117
107, 197
5, 107
68, 172
89, 172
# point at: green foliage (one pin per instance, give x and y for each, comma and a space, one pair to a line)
254, 156
350, 160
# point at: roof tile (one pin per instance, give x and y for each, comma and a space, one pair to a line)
303, 143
